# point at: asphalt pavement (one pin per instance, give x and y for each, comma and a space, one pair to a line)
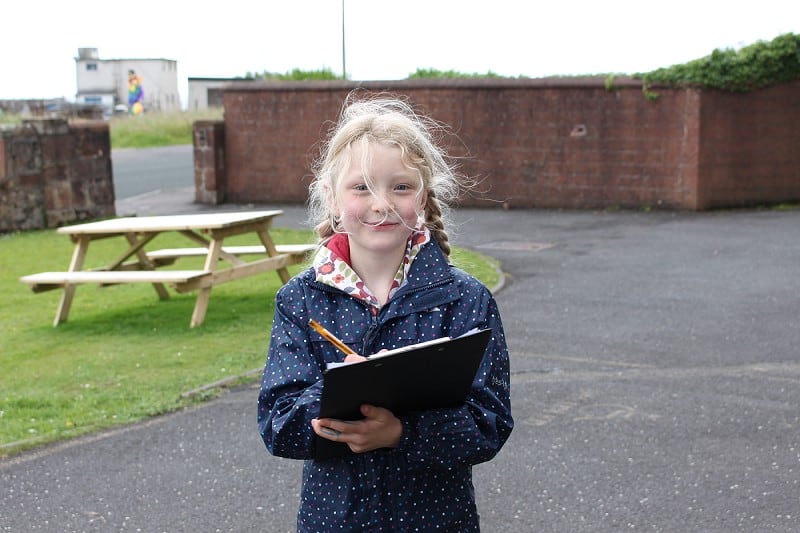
655, 386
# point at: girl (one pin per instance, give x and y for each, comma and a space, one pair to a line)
381, 280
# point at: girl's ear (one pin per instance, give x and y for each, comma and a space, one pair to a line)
422, 218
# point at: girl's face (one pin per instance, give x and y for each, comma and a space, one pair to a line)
378, 214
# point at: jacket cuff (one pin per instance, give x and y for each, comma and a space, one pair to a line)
408, 437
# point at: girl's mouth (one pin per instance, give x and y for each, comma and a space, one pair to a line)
380, 224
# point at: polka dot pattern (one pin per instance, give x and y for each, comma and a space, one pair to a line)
425, 484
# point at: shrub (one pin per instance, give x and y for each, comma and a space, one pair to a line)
752, 67
295, 75
427, 73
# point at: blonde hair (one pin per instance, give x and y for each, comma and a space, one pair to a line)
390, 121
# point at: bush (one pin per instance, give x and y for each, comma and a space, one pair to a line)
752, 67
427, 73
295, 75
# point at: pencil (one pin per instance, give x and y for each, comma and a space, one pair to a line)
328, 335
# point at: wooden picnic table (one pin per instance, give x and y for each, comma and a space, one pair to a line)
135, 264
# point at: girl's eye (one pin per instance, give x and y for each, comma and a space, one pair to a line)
402, 187
361, 187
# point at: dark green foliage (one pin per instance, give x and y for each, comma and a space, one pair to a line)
758, 65
327, 74
427, 73
295, 75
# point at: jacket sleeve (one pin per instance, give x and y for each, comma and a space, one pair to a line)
474, 432
292, 383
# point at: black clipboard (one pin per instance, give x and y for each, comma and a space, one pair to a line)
429, 376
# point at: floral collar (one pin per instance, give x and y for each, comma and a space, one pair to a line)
331, 264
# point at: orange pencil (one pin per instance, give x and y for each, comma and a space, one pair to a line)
328, 335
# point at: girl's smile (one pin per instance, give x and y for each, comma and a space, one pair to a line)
381, 225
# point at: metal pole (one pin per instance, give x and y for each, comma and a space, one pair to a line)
344, 63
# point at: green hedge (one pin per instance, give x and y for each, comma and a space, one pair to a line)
752, 67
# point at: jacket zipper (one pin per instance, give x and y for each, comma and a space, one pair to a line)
372, 331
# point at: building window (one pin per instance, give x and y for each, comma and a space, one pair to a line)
91, 66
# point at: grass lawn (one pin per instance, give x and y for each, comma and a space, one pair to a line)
125, 355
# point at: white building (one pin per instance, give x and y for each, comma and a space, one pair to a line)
207, 92
104, 82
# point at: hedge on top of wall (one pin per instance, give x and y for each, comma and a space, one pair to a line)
752, 67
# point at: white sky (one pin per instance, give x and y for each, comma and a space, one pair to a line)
39, 39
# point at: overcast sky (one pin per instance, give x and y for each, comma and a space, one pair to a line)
39, 40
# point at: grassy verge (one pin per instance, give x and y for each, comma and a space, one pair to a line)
157, 129
124, 355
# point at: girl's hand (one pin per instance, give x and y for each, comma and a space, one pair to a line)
355, 358
379, 429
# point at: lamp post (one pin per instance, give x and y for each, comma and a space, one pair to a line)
344, 62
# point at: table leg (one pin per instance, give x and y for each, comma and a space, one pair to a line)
204, 293
75, 264
162, 292
266, 240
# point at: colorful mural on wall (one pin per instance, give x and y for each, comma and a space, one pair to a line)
135, 94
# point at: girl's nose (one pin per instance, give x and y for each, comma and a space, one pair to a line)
380, 203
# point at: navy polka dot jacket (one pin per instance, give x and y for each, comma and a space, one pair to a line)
426, 482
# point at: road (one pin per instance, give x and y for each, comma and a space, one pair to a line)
144, 171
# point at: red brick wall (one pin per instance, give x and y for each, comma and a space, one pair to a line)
269, 139
750, 147
210, 181
571, 143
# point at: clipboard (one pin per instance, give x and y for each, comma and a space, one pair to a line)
430, 375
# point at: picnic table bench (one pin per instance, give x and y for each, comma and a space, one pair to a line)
136, 265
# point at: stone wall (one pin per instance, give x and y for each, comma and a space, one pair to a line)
53, 173
553, 143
